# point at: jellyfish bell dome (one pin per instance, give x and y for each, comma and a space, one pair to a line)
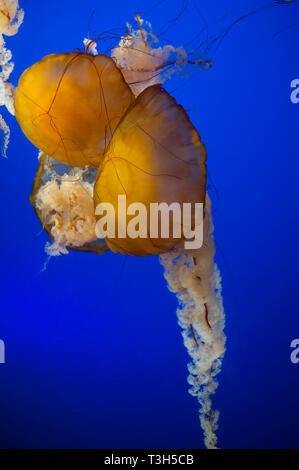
68, 105
154, 156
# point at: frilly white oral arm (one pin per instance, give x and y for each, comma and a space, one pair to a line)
196, 281
11, 17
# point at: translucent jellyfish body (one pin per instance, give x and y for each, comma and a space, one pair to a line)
68, 105
64, 206
155, 156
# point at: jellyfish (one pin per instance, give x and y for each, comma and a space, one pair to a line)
68, 105
64, 206
105, 127
155, 156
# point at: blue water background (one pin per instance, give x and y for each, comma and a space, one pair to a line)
94, 355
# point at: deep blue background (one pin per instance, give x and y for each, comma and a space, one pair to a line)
94, 354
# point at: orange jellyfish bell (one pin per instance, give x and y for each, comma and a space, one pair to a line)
68, 105
154, 156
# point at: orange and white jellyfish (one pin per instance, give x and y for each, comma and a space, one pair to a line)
105, 127
69, 105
